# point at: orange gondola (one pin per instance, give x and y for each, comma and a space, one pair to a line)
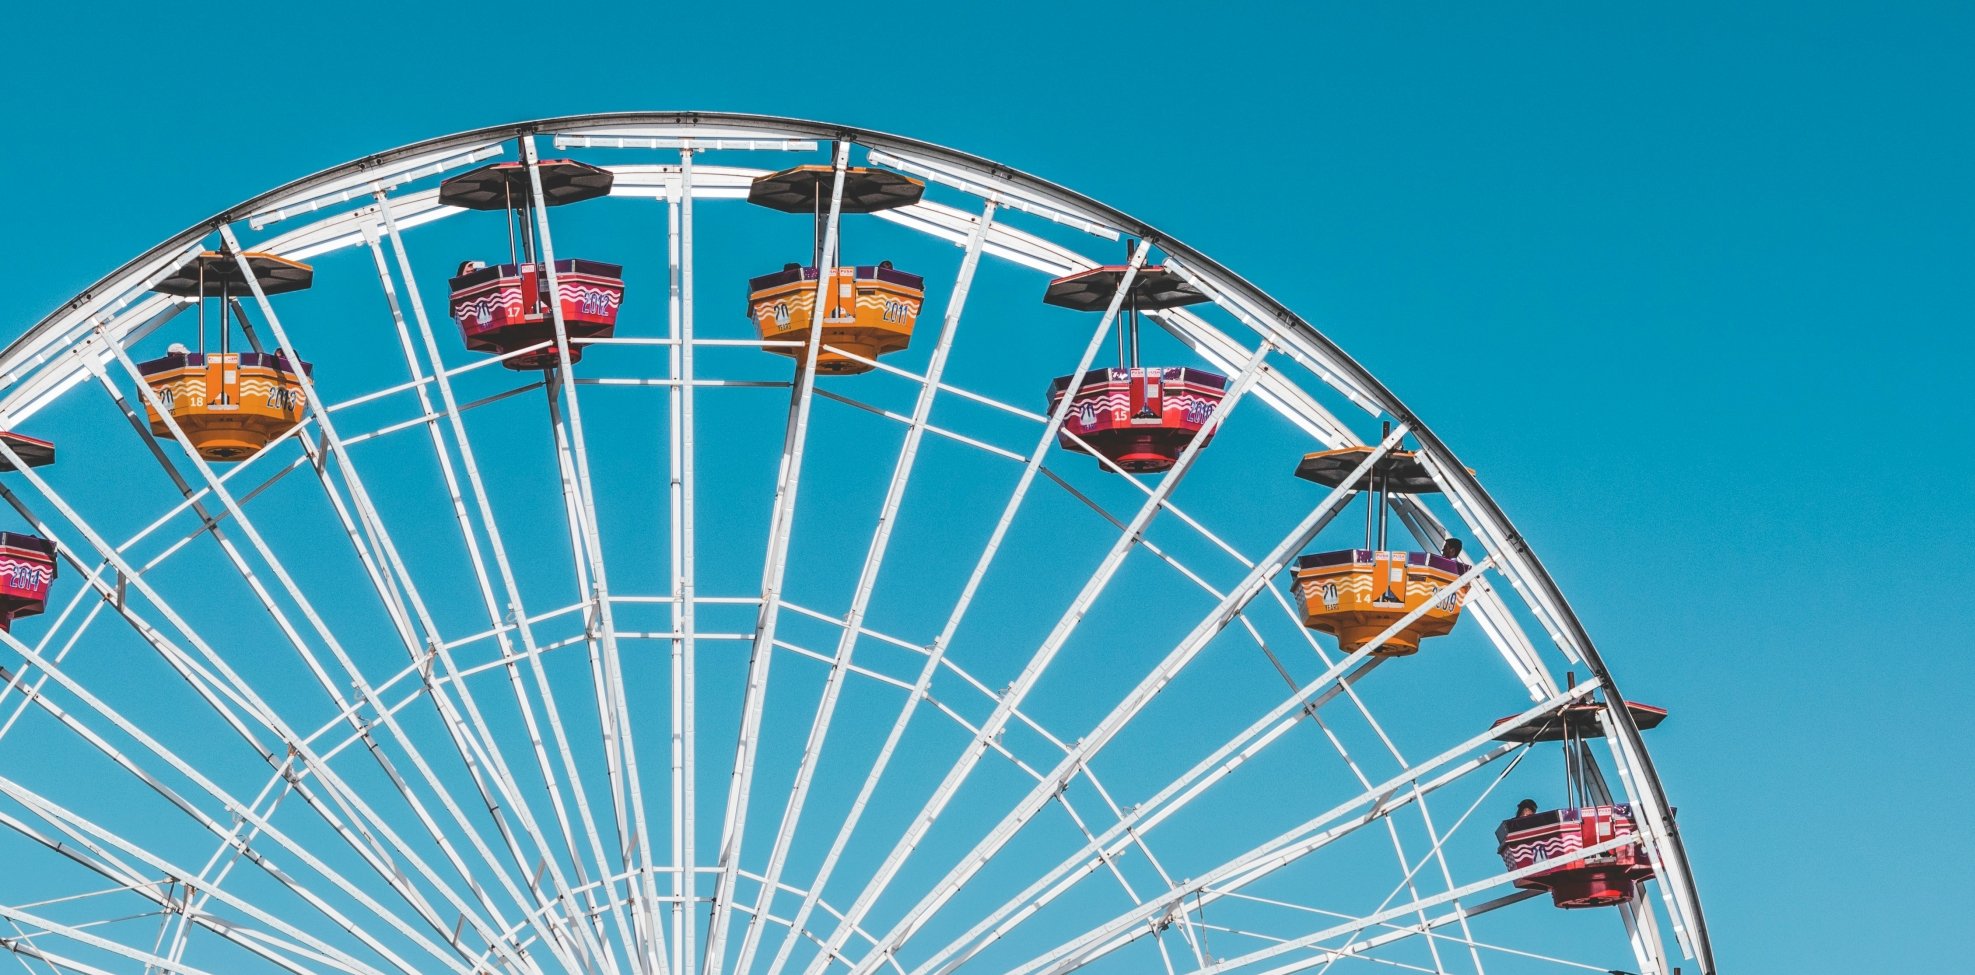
1357, 593
508, 307
229, 404
868, 310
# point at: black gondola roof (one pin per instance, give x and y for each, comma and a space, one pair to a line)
1153, 288
221, 273
1401, 469
801, 189
504, 185
1581, 720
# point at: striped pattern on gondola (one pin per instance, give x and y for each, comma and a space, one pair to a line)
1573, 830
258, 386
504, 303
25, 577
1112, 402
796, 310
1334, 588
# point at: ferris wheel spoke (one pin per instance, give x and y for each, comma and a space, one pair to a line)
1351, 929
992, 697
1349, 690
365, 693
472, 734
682, 448
465, 742
1461, 940
1314, 834
1642, 929
212, 686
933, 429
662, 960
613, 709
1434, 854
364, 848
1407, 883
598, 632
84, 846
975, 684
1361, 949
10, 680
889, 868
1132, 826
1229, 607
866, 584
232, 552
614, 718
216, 685
220, 864
781, 525
16, 917
572, 935
198, 495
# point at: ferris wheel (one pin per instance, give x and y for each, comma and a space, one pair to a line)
677, 544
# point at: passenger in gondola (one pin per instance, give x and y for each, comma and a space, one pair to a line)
791, 266
1451, 548
884, 265
1527, 807
468, 267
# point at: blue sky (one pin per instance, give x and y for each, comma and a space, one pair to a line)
1689, 287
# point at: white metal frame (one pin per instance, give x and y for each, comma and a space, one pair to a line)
532, 893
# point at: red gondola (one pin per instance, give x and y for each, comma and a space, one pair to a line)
510, 306
27, 562
1140, 417
1602, 879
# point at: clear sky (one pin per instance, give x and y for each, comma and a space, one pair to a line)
1689, 286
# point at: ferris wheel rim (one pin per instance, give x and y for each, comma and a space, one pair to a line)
1483, 504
